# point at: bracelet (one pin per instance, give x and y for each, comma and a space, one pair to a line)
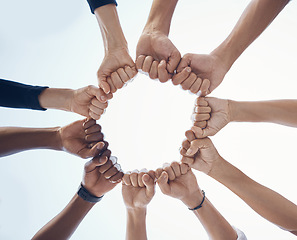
85, 195
200, 205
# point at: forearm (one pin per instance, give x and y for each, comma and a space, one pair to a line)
136, 224
256, 17
56, 98
65, 223
278, 111
111, 30
16, 139
160, 16
266, 202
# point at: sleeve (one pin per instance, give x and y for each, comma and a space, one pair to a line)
18, 95
240, 234
99, 3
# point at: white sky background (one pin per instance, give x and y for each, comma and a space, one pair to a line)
58, 43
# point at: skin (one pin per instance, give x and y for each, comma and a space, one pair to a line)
253, 21
178, 181
138, 189
63, 225
155, 53
201, 155
212, 114
82, 138
89, 101
117, 67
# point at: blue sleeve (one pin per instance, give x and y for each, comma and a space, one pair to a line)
99, 3
18, 95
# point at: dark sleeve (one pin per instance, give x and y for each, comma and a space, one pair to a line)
99, 3
18, 95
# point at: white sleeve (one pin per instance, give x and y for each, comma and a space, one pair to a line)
240, 234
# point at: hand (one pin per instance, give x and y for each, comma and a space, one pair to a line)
199, 154
156, 55
206, 66
102, 174
89, 101
116, 69
178, 181
211, 114
82, 138
138, 189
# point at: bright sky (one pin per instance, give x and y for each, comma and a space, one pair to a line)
58, 44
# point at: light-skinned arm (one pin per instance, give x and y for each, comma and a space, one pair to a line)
117, 67
212, 114
155, 53
100, 176
138, 190
254, 20
89, 101
201, 155
82, 138
178, 181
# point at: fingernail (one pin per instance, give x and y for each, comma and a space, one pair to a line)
99, 146
103, 98
188, 69
189, 152
102, 159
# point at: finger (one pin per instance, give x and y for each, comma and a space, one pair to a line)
186, 144
190, 135
139, 61
200, 101
186, 85
131, 72
176, 169
96, 103
182, 76
184, 168
149, 184
117, 178
173, 61
123, 75
158, 172
96, 110
93, 151
196, 86
140, 182
113, 89
88, 123
126, 180
184, 62
154, 70
92, 164
201, 117
98, 93
199, 109
163, 183
169, 171
93, 137
194, 148
112, 171
183, 151
116, 80
152, 174
202, 124
188, 160
205, 87
103, 84
203, 133
162, 72
102, 96
94, 115
134, 178
93, 129
147, 64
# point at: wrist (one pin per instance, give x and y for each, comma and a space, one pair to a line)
136, 214
234, 110
193, 199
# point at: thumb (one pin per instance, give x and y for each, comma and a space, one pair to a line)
193, 149
95, 162
149, 184
98, 93
163, 183
203, 133
184, 62
92, 152
173, 61
103, 84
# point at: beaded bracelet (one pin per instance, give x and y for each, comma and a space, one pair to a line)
200, 205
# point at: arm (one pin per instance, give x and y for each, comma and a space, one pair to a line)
117, 67
214, 66
200, 154
212, 114
65, 223
138, 190
179, 182
81, 138
155, 53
